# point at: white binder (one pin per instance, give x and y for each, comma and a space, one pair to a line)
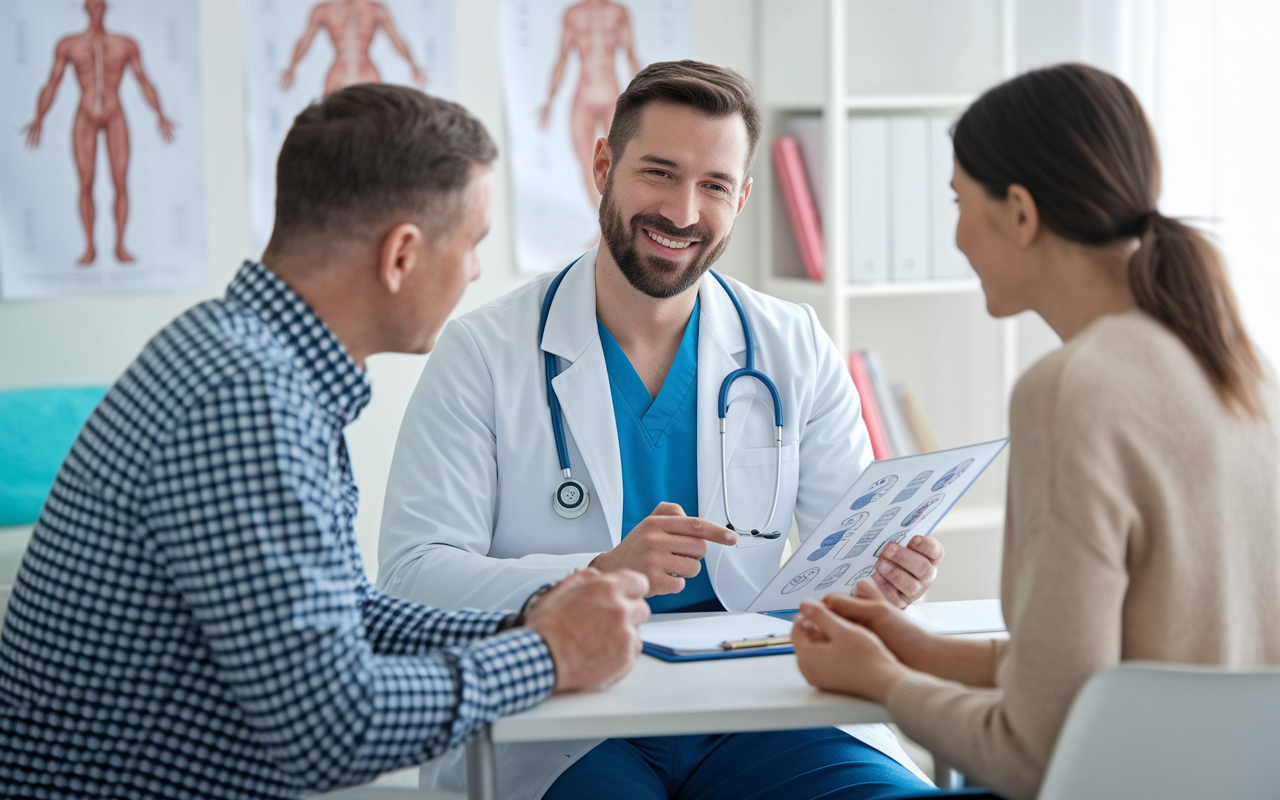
909, 190
868, 199
948, 261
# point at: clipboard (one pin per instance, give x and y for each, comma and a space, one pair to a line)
700, 638
667, 655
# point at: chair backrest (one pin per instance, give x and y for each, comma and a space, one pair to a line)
1169, 732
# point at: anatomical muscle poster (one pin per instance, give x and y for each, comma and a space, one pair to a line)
101, 148
298, 51
564, 63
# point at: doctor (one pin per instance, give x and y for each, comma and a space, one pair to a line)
641, 342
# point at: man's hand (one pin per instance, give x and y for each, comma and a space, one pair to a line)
591, 624
905, 573
665, 547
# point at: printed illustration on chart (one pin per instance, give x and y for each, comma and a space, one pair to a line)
836, 539
351, 26
564, 63
297, 52
112, 157
839, 541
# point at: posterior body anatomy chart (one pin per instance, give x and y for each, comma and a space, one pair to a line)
891, 501
297, 52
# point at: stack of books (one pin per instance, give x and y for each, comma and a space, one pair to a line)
892, 417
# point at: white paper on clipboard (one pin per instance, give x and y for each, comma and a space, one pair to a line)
890, 501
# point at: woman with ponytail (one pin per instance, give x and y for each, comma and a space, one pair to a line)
1143, 520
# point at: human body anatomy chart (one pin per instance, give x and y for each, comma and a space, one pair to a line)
103, 154
564, 63
298, 51
843, 549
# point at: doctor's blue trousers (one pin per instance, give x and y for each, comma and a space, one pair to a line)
822, 763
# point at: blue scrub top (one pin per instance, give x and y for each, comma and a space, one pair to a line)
658, 440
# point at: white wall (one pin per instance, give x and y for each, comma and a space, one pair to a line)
91, 340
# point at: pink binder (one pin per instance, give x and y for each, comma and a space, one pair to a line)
800, 207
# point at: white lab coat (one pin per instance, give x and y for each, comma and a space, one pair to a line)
468, 519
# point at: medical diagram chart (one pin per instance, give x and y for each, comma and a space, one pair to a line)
891, 501
102, 184
564, 63
296, 52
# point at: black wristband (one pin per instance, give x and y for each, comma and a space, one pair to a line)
517, 620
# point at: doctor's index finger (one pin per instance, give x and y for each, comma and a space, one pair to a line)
699, 528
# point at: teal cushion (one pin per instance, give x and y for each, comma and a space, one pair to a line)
37, 429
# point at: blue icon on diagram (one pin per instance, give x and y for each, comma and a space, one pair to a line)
827, 544
875, 491
950, 475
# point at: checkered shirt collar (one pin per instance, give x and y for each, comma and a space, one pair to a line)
341, 386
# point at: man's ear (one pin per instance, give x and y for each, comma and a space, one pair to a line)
746, 192
1024, 216
400, 254
600, 163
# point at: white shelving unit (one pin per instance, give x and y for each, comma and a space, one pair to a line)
806, 69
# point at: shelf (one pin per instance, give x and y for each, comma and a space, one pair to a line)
969, 520
884, 102
913, 288
804, 290
908, 102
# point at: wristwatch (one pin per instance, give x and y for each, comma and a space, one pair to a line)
517, 620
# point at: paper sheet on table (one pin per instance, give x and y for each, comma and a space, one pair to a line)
892, 500
959, 616
698, 635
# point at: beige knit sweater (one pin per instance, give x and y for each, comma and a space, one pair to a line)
1143, 523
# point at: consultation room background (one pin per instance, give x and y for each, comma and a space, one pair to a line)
1206, 71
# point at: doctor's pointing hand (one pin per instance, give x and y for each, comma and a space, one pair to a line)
667, 547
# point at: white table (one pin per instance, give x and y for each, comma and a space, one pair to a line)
663, 699
658, 698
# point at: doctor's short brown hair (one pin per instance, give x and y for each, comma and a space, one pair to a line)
371, 153
715, 91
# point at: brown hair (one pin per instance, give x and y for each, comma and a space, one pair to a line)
369, 152
715, 91
1077, 140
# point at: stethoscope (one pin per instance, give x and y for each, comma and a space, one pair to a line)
571, 499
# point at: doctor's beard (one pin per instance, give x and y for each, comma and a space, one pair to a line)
657, 277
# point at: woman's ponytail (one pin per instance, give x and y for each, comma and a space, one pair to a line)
1178, 278
1076, 138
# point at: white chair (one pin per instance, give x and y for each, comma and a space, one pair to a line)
1170, 732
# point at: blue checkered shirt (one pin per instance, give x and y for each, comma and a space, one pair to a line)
192, 618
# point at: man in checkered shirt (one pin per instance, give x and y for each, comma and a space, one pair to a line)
192, 618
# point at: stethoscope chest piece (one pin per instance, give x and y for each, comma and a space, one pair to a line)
570, 499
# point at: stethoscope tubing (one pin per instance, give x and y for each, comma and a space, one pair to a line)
723, 403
